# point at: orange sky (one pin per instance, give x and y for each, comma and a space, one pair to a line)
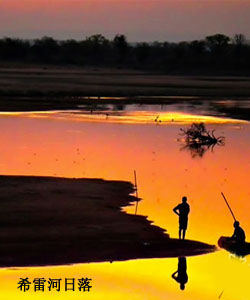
146, 20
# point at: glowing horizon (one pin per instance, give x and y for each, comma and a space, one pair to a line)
138, 117
140, 20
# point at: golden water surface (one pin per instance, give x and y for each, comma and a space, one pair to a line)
69, 146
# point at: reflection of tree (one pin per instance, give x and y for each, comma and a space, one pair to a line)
197, 150
198, 140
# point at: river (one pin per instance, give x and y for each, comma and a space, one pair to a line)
111, 145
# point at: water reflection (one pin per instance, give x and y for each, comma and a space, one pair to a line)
129, 117
196, 150
181, 275
198, 139
113, 151
238, 109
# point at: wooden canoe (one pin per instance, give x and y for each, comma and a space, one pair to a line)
240, 249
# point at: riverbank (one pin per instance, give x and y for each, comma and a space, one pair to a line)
43, 88
51, 81
52, 221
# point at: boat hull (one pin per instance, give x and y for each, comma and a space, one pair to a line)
240, 249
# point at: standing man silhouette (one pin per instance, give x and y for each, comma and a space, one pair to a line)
182, 210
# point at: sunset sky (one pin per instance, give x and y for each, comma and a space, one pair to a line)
140, 20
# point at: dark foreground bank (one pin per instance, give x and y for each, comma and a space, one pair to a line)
51, 221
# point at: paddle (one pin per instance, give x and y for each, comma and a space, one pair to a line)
228, 206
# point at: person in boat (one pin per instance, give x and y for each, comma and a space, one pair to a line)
239, 234
182, 210
180, 275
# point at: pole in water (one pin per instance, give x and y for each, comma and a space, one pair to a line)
136, 192
228, 206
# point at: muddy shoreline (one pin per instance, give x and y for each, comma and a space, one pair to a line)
53, 221
39, 88
37, 82
236, 108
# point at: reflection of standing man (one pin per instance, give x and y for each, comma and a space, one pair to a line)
182, 210
181, 274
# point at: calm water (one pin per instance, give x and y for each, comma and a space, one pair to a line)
111, 147
227, 107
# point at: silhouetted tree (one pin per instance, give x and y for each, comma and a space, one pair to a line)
71, 52
181, 49
217, 43
217, 53
198, 139
142, 51
13, 49
197, 47
45, 49
239, 39
121, 46
95, 48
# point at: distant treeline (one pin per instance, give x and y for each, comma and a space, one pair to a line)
215, 53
